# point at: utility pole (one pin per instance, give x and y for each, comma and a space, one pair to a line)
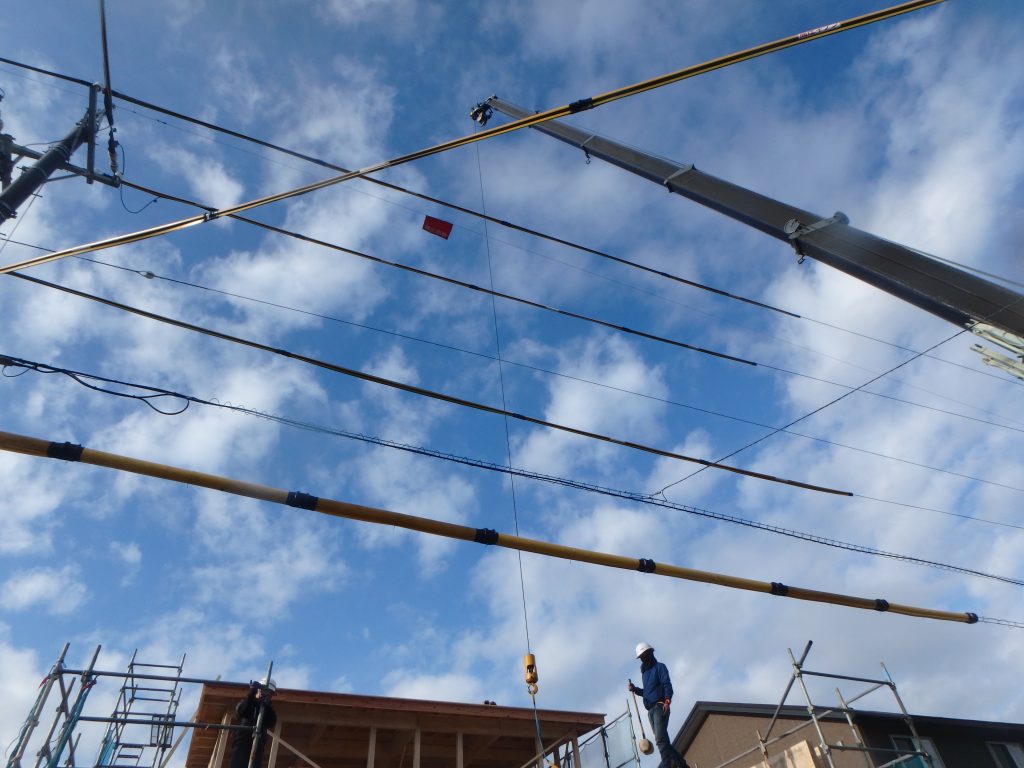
966, 300
56, 157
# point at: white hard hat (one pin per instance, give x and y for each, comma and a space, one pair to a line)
641, 648
269, 684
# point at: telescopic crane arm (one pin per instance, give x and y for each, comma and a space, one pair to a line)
943, 290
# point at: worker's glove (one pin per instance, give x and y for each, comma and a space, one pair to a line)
631, 687
253, 687
665, 705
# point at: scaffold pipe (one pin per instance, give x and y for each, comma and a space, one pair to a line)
69, 452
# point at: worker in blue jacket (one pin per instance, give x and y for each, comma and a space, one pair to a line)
657, 693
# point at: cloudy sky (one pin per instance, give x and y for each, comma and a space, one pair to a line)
913, 127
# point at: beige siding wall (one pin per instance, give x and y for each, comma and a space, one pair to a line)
725, 736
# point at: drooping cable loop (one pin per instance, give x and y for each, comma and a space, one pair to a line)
632, 496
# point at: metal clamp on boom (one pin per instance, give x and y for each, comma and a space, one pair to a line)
795, 230
669, 179
481, 113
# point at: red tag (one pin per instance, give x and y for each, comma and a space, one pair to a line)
438, 227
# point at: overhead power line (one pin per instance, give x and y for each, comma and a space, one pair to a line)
467, 403
335, 508
364, 376
152, 396
540, 369
525, 122
462, 283
556, 310
807, 415
522, 228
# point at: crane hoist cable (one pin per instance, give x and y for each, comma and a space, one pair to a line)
530, 675
412, 389
525, 122
32, 446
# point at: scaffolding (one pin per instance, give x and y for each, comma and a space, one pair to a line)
125, 744
139, 731
824, 751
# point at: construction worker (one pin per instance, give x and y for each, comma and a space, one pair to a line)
657, 694
247, 712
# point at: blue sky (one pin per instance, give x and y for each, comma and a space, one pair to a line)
911, 127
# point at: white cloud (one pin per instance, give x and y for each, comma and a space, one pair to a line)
450, 686
27, 526
128, 552
57, 591
21, 671
609, 360
917, 137
266, 560
211, 183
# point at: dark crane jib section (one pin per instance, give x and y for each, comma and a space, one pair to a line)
942, 290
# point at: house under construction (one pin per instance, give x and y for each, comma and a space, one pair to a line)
313, 729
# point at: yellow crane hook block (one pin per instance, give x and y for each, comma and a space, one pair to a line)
530, 666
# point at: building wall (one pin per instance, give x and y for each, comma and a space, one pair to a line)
723, 736
959, 746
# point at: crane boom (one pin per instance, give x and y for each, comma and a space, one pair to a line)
943, 290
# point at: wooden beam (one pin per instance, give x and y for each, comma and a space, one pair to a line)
272, 761
484, 744
416, 750
217, 758
371, 753
458, 750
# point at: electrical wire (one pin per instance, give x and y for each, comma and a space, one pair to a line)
459, 401
819, 409
549, 237
486, 133
560, 374
17, 223
826, 405
121, 186
148, 274
506, 469
463, 284
527, 230
556, 310
412, 389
